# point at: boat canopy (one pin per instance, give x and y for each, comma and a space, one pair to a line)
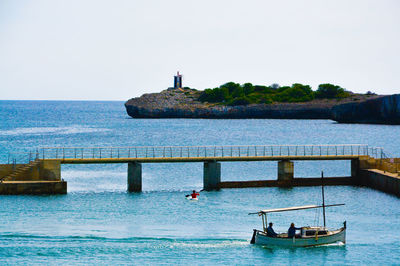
295, 208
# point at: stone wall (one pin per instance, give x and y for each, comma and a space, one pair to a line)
378, 179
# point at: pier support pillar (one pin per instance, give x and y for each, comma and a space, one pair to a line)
134, 177
211, 176
285, 171
355, 168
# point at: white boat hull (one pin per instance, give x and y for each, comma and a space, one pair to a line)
260, 238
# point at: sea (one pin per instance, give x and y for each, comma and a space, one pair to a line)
99, 222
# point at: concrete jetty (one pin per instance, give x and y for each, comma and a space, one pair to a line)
36, 177
45, 169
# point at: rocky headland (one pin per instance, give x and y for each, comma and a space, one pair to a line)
184, 103
381, 110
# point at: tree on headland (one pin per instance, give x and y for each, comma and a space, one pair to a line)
248, 88
296, 93
330, 91
275, 86
232, 93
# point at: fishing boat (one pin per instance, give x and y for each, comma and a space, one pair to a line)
309, 235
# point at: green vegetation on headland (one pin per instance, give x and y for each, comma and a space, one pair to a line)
235, 94
232, 100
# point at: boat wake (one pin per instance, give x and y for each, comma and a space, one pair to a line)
337, 244
192, 242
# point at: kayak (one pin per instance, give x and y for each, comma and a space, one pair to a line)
190, 198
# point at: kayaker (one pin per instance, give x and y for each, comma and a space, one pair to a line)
194, 194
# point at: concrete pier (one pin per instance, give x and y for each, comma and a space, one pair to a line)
35, 187
50, 170
355, 167
296, 182
285, 171
46, 165
380, 180
134, 177
36, 177
212, 175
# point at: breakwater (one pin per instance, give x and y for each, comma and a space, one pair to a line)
46, 167
381, 180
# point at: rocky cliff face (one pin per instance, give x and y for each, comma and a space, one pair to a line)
174, 103
381, 110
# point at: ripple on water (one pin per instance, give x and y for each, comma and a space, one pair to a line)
73, 129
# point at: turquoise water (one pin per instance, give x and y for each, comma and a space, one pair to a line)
97, 222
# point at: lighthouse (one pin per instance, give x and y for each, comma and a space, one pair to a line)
178, 81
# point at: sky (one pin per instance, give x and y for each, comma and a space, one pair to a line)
116, 50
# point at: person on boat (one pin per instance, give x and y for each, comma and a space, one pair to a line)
194, 194
292, 230
270, 231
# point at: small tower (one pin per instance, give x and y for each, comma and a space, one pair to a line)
178, 81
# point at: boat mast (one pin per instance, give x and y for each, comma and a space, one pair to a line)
323, 196
264, 221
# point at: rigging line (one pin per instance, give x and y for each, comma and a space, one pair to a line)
323, 196
315, 216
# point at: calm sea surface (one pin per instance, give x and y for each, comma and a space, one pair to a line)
98, 222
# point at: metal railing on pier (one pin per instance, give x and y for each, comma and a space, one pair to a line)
22, 157
206, 151
194, 151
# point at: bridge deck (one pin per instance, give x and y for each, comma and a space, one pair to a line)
202, 159
159, 154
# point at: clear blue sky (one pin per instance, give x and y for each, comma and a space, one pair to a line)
116, 50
